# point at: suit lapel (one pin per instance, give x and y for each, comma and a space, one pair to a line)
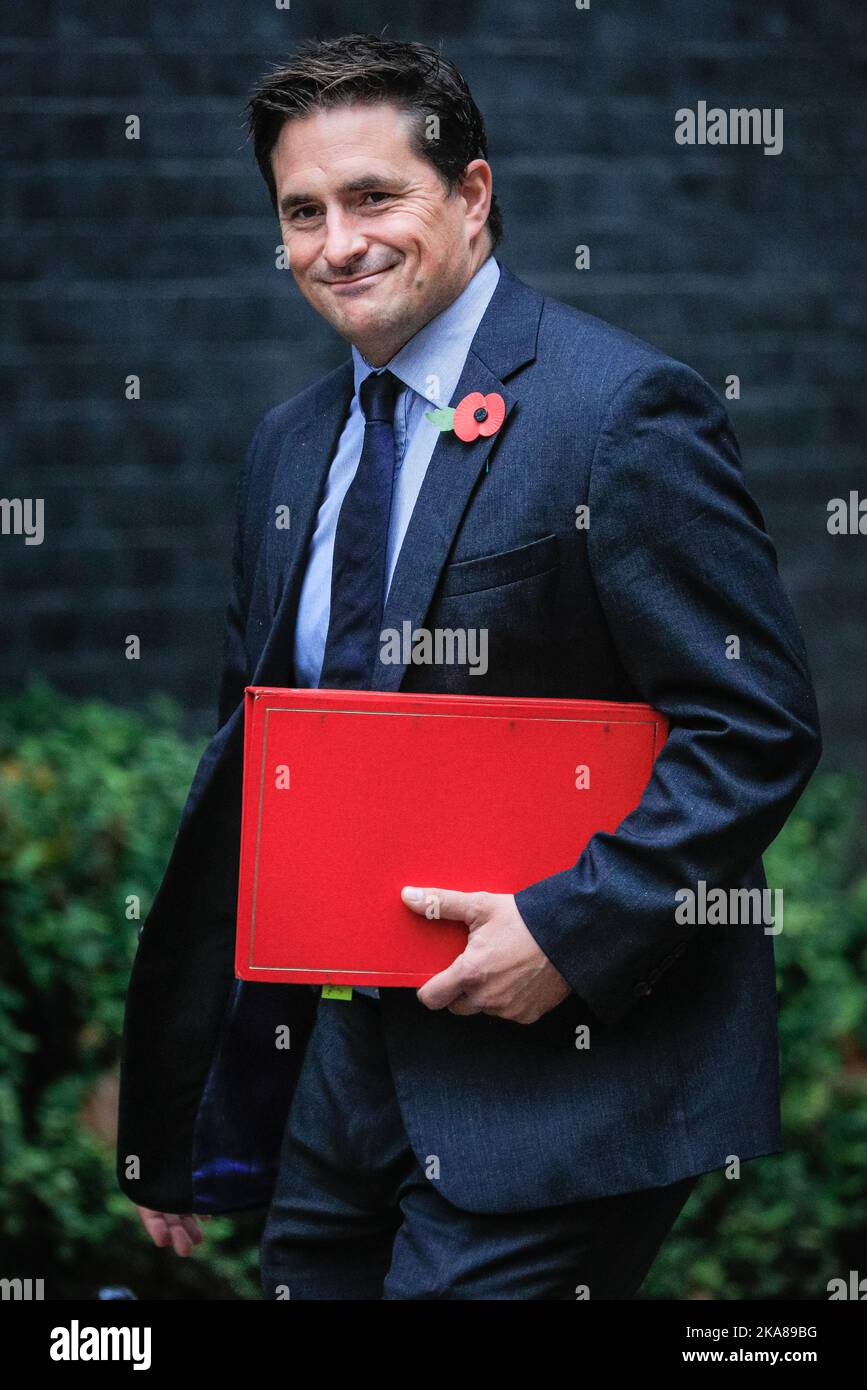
505, 341
299, 478
442, 500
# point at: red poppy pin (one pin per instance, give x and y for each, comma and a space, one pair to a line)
474, 415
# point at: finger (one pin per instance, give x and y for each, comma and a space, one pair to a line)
155, 1224
191, 1226
434, 903
464, 1006
180, 1239
443, 989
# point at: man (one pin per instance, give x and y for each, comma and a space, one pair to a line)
455, 1141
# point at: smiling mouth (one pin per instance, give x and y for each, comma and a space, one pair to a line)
358, 280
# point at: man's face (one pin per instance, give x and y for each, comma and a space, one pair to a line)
375, 242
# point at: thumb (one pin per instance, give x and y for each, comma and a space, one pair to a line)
449, 903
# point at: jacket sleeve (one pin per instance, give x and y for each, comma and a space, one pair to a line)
234, 675
682, 565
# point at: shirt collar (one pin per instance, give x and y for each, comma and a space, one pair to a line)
432, 361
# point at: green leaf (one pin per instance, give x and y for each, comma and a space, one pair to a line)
443, 419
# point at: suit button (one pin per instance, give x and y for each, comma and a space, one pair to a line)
642, 988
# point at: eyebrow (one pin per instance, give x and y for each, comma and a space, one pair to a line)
364, 184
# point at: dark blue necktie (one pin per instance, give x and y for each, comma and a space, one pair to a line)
358, 568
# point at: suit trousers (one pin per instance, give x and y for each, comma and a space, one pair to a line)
354, 1215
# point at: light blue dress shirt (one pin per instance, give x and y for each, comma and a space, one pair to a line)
429, 366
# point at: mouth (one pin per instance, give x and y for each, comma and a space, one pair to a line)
358, 283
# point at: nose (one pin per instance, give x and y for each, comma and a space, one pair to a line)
343, 241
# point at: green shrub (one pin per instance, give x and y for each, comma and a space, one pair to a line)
793, 1221
90, 797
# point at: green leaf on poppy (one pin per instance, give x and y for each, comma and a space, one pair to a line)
443, 419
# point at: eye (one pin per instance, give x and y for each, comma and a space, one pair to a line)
377, 194
305, 214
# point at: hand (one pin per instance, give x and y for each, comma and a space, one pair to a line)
166, 1229
502, 971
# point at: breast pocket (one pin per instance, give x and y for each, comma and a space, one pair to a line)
504, 567
507, 602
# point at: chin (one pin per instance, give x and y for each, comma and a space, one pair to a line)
372, 317
362, 323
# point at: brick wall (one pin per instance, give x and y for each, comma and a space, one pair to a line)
156, 257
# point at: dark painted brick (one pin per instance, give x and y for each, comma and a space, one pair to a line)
156, 257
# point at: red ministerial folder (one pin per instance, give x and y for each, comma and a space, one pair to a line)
350, 795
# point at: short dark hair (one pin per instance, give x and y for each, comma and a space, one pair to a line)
364, 68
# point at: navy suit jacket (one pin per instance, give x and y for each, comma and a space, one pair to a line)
682, 1067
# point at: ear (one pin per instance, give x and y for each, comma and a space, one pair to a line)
476, 188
